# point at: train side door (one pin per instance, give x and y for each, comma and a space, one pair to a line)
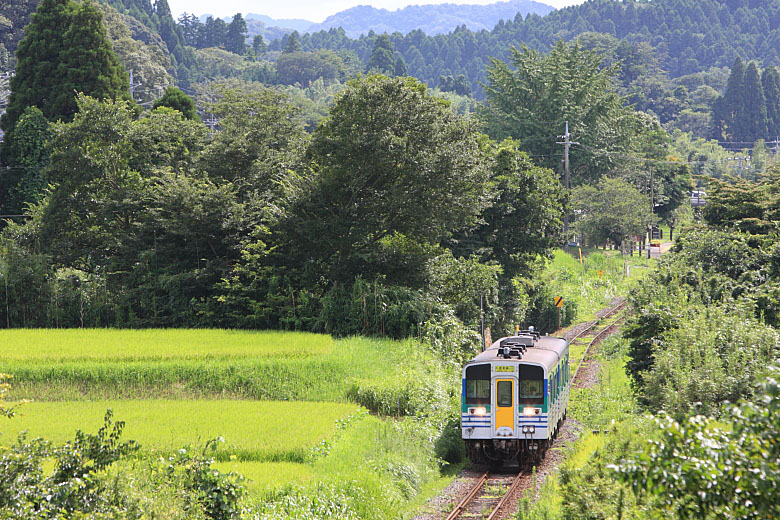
505, 407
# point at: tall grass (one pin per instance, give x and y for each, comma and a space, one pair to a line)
58, 345
582, 284
252, 430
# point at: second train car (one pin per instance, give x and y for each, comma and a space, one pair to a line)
515, 397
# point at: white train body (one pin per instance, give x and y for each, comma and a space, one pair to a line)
515, 397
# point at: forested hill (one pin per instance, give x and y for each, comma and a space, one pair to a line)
687, 35
431, 19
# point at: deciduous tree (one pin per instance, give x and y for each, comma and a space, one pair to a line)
532, 97
391, 160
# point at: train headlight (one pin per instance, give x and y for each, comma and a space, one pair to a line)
529, 411
480, 410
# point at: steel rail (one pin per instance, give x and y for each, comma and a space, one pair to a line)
597, 337
463, 503
509, 492
461, 507
593, 323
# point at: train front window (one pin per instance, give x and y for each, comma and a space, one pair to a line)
531, 387
478, 391
504, 393
478, 384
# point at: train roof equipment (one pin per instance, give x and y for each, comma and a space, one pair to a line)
526, 346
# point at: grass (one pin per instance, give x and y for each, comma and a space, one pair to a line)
68, 345
264, 477
581, 283
252, 430
342, 372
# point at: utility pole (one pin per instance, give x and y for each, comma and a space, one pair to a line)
133, 86
740, 159
567, 143
652, 211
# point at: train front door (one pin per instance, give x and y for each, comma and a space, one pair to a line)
506, 414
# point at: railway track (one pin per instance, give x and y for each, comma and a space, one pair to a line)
600, 335
489, 496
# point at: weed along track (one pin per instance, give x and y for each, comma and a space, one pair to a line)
607, 324
490, 496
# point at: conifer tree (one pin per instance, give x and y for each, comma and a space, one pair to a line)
400, 66
88, 63
754, 106
37, 59
382, 58
727, 109
235, 41
293, 43
65, 50
258, 45
770, 80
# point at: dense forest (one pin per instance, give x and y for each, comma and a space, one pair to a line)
674, 55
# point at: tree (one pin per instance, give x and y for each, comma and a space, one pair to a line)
28, 147
178, 100
306, 67
727, 112
754, 103
613, 210
258, 45
88, 63
37, 59
382, 59
770, 80
64, 51
261, 136
391, 160
235, 39
525, 217
293, 43
532, 102
400, 68
214, 33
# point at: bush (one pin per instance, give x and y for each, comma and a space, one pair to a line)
710, 359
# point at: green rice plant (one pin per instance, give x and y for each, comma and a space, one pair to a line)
263, 478
252, 430
58, 345
348, 371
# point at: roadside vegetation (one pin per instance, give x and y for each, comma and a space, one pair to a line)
699, 352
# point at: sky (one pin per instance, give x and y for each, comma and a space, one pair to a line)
312, 10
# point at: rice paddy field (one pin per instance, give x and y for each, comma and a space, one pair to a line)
292, 410
260, 431
107, 345
61, 365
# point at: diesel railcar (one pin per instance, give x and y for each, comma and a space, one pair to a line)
515, 397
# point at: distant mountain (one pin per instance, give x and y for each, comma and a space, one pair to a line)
431, 19
293, 24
